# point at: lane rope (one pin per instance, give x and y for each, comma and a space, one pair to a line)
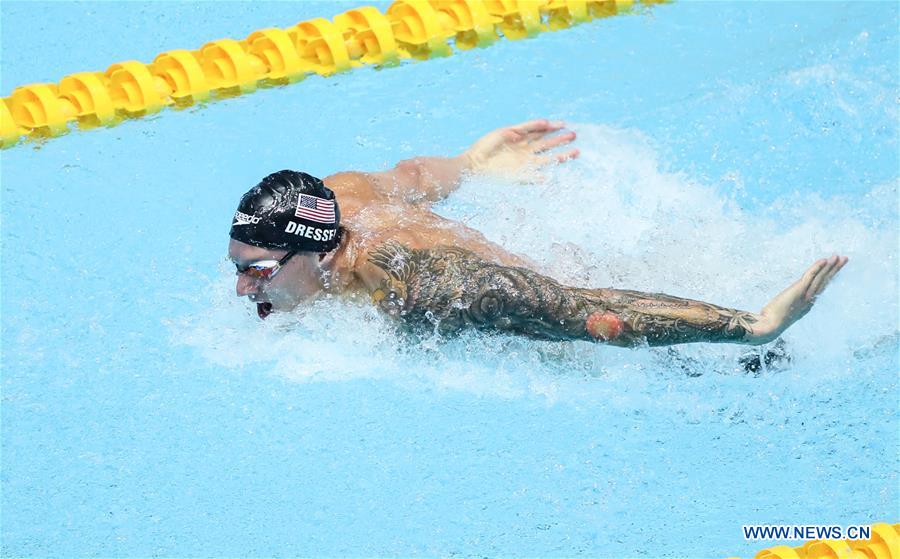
408, 30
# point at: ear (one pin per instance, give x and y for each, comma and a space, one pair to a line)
322, 256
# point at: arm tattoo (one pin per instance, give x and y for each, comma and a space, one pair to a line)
454, 288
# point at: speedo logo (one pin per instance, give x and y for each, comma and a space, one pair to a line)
241, 218
313, 233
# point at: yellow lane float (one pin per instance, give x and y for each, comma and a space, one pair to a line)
409, 29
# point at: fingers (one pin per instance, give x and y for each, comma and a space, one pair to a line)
538, 126
810, 273
816, 281
837, 268
823, 276
557, 158
802, 284
547, 144
839, 263
567, 155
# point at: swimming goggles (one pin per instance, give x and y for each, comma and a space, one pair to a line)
264, 269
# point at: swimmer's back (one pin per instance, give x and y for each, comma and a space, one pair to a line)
374, 217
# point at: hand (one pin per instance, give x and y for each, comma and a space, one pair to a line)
793, 303
518, 152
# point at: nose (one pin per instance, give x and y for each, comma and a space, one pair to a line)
245, 285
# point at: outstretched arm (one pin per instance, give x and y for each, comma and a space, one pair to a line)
515, 152
455, 288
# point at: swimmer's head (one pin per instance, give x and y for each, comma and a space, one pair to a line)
279, 234
288, 210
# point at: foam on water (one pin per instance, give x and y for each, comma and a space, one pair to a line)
615, 218
704, 135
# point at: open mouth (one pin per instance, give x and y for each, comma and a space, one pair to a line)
263, 310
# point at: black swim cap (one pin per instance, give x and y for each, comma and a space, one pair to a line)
288, 210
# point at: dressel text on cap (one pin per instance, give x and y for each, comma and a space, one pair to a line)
313, 233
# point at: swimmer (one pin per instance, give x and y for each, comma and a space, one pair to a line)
295, 236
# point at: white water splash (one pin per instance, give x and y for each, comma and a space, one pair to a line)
612, 219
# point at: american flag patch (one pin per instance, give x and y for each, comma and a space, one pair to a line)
315, 209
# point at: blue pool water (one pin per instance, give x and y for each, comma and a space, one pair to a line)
147, 411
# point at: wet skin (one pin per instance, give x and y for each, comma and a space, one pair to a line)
420, 267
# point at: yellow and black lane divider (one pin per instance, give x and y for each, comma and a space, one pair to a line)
409, 29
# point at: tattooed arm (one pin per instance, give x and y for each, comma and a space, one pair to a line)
454, 288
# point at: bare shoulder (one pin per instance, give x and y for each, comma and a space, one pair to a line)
348, 180
398, 275
378, 249
354, 190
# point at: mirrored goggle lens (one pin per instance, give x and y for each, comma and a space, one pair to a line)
259, 270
